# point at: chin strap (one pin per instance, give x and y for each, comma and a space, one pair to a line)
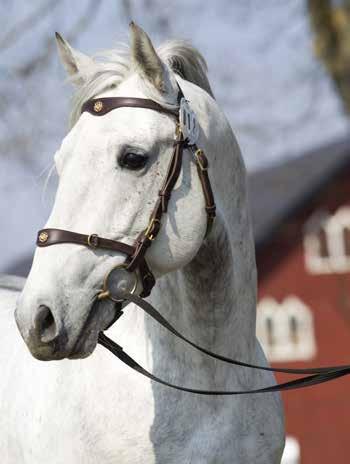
319, 374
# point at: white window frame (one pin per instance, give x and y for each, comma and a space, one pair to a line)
284, 348
333, 226
291, 453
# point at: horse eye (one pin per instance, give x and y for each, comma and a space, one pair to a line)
133, 161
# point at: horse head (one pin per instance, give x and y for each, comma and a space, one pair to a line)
110, 171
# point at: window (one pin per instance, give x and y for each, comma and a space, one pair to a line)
286, 329
327, 242
291, 453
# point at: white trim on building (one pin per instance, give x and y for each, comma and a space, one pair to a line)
286, 330
334, 229
291, 453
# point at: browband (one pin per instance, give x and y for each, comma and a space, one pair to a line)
102, 106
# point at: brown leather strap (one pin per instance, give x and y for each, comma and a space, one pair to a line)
171, 177
302, 382
319, 374
47, 237
136, 253
202, 169
147, 278
147, 236
102, 106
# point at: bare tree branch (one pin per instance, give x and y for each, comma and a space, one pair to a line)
80, 25
331, 25
28, 23
127, 8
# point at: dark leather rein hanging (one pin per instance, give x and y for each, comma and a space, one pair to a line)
136, 261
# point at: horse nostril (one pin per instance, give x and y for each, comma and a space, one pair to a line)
45, 325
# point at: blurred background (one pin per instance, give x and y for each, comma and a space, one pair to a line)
281, 71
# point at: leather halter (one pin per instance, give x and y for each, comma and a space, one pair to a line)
136, 253
136, 259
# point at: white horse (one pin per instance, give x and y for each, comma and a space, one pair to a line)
97, 410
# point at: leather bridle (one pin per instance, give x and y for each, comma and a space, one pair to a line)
136, 255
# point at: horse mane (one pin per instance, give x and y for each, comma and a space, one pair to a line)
186, 61
111, 67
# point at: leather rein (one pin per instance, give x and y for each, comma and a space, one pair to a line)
136, 260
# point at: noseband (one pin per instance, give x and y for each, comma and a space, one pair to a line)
136, 255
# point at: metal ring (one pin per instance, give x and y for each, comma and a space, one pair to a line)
105, 293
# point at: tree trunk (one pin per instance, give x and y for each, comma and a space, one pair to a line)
331, 25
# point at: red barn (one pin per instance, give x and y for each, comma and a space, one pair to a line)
301, 216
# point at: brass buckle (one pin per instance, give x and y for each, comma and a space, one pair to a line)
105, 293
149, 231
197, 155
93, 240
178, 131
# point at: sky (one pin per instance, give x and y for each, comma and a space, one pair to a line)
279, 100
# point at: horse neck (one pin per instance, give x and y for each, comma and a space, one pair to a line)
212, 300
205, 301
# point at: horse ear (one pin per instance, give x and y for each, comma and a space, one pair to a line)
76, 63
145, 58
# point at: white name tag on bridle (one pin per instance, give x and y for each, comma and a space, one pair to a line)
188, 122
